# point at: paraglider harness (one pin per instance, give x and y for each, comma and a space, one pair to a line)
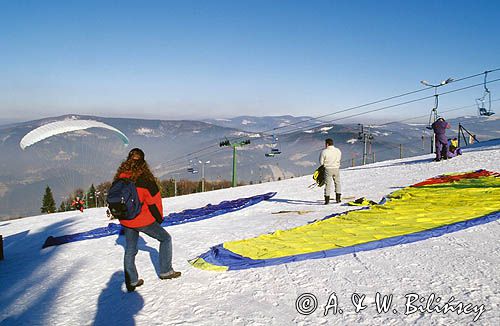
319, 177
123, 199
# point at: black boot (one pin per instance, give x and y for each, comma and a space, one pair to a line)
327, 200
337, 197
131, 288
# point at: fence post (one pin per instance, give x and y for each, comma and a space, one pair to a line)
400, 150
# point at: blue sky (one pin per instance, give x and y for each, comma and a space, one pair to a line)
199, 59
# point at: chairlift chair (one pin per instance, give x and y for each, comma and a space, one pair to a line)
275, 150
480, 101
190, 168
482, 110
432, 117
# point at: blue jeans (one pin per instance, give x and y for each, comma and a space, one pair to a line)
132, 236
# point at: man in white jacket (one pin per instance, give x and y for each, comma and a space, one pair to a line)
330, 159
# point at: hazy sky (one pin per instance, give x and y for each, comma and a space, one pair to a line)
198, 59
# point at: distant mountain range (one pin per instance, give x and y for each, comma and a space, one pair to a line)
79, 159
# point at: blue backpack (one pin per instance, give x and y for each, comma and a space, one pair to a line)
123, 200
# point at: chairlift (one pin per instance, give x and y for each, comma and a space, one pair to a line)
190, 168
276, 148
434, 112
434, 115
481, 108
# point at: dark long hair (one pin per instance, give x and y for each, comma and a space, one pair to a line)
138, 168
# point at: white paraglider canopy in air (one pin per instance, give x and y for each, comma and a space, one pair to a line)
60, 127
71, 155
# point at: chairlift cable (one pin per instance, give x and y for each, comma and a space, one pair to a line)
395, 105
371, 103
378, 101
352, 108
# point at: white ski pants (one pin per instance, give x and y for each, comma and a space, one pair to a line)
332, 175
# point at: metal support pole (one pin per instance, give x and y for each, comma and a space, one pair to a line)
203, 177
365, 144
400, 150
234, 179
226, 142
203, 174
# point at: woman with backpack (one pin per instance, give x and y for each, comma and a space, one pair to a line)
148, 220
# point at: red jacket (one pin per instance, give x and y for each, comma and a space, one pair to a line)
150, 198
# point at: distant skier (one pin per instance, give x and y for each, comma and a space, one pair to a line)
330, 159
78, 204
148, 221
439, 127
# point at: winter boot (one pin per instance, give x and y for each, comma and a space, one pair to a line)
337, 197
327, 200
170, 275
131, 287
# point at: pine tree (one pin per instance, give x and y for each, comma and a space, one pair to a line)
62, 208
48, 202
91, 197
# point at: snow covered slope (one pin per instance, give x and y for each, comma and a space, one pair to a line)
81, 283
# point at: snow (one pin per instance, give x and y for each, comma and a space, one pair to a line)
81, 283
297, 156
147, 132
305, 163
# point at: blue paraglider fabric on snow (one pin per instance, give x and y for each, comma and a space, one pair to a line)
198, 214
186, 216
111, 229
